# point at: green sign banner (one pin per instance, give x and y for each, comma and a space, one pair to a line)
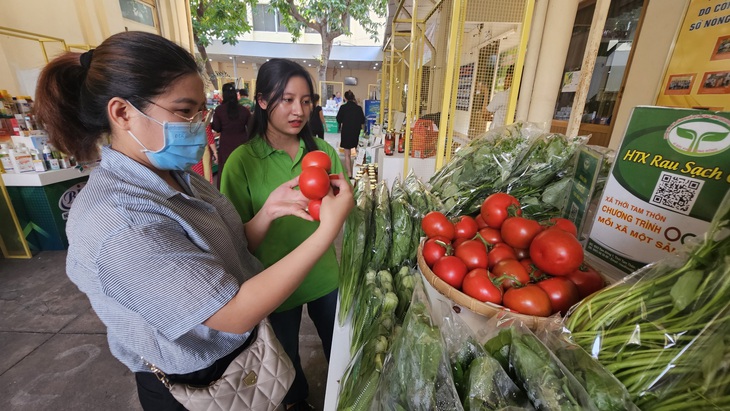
670, 174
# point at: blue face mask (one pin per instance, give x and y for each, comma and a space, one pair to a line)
184, 144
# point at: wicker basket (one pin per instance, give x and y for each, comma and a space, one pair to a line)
488, 310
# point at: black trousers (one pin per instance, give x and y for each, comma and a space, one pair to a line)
154, 396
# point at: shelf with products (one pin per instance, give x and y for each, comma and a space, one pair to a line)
38, 179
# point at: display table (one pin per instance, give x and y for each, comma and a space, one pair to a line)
42, 201
390, 167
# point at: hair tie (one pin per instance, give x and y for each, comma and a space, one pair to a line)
85, 59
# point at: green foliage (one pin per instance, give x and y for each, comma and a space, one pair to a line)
328, 17
220, 19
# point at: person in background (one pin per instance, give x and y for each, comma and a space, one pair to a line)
230, 120
338, 98
316, 119
244, 100
350, 122
498, 104
280, 138
162, 256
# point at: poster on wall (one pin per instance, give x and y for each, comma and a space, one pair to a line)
463, 90
669, 176
698, 74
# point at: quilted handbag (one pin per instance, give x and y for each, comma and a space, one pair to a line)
257, 379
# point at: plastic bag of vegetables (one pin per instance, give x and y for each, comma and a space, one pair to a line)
664, 331
401, 248
360, 380
482, 167
381, 228
607, 392
416, 374
422, 201
374, 310
479, 379
548, 383
357, 229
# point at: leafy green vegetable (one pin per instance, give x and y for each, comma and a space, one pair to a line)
402, 226
381, 226
490, 388
656, 329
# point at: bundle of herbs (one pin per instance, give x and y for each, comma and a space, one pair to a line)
357, 229
664, 331
381, 229
401, 248
374, 311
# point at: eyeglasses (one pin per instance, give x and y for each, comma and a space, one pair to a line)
201, 119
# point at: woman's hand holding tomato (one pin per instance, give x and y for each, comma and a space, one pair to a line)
335, 208
286, 200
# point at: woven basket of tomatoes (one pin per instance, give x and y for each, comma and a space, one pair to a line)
500, 262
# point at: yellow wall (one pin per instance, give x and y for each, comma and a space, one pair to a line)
75, 21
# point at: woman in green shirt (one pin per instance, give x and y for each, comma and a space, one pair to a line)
279, 139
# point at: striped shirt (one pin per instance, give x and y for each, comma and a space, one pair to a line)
156, 263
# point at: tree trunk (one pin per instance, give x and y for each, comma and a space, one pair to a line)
324, 62
208, 67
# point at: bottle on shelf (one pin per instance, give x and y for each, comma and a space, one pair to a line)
401, 142
389, 146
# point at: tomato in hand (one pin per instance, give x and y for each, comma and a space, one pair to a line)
562, 224
434, 249
450, 269
497, 207
313, 208
562, 293
556, 252
473, 253
314, 183
317, 158
466, 227
491, 235
435, 223
510, 273
528, 300
480, 222
335, 190
499, 252
587, 280
519, 231
478, 285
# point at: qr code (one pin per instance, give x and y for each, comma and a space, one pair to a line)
677, 193
573, 212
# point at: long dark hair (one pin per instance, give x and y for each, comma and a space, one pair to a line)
230, 100
271, 81
74, 89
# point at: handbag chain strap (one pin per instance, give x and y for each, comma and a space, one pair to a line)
158, 373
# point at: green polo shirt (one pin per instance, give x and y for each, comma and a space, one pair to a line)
253, 171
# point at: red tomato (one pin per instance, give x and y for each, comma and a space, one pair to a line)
491, 235
587, 280
314, 183
335, 190
435, 223
499, 252
466, 227
480, 222
313, 208
563, 224
510, 273
497, 207
458, 241
528, 300
473, 253
519, 232
534, 272
450, 269
522, 253
562, 293
317, 158
556, 252
434, 249
478, 285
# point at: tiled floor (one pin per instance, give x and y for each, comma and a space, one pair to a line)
54, 350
